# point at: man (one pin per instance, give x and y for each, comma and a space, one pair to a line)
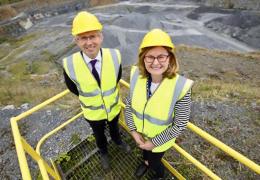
93, 75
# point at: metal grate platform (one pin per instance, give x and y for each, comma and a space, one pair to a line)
84, 161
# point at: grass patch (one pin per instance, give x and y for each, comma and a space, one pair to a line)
2, 2
3, 53
40, 67
22, 69
3, 39
15, 47
49, 57
34, 91
63, 157
226, 91
19, 41
75, 139
18, 94
19, 70
10, 57
23, 40
28, 81
183, 166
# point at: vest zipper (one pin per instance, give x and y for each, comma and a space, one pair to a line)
143, 117
148, 98
95, 78
101, 88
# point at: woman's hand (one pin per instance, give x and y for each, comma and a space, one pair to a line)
148, 145
138, 138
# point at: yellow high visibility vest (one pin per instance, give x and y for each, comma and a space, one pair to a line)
151, 117
96, 102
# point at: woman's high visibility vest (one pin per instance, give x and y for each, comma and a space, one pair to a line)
151, 117
96, 102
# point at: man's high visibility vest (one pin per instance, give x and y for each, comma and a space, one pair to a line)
96, 102
153, 116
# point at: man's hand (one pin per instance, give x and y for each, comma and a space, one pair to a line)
138, 137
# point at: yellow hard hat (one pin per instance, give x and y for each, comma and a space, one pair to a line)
156, 37
84, 22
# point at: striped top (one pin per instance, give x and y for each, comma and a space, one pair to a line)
182, 111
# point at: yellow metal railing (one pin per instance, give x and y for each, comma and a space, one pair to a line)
236, 155
23, 147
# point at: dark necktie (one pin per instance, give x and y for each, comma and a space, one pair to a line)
94, 71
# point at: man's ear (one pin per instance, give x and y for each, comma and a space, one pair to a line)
75, 39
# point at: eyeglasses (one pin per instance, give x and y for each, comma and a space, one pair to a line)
161, 58
90, 38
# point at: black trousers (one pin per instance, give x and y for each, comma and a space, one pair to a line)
99, 127
155, 163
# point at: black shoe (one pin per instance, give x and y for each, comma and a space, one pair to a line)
124, 147
141, 169
104, 162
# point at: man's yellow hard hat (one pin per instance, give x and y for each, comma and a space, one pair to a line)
84, 22
156, 37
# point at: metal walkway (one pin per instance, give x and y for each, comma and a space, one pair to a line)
84, 161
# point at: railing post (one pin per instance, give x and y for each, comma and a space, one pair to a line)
20, 151
44, 166
44, 173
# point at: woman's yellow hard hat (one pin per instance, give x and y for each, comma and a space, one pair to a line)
156, 37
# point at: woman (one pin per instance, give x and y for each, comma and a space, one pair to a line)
158, 107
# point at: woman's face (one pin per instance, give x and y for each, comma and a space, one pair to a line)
156, 61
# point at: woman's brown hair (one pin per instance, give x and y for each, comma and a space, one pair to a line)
172, 68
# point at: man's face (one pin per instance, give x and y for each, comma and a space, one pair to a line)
90, 42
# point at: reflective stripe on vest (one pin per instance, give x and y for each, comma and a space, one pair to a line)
102, 106
178, 88
115, 60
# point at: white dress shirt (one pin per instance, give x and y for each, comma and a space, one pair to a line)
154, 87
98, 63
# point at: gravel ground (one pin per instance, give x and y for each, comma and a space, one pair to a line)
32, 129
228, 122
